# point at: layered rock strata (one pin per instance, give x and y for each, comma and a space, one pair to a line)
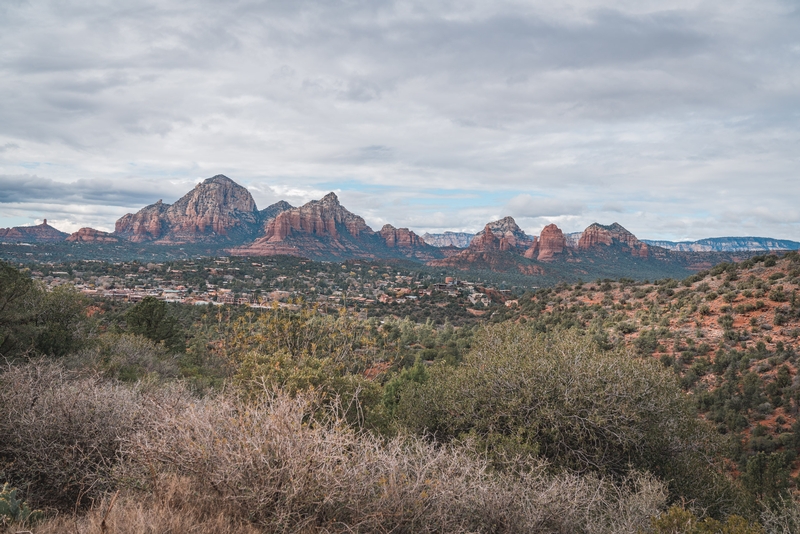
90, 235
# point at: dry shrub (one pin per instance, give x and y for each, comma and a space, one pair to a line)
220, 464
172, 512
60, 434
272, 463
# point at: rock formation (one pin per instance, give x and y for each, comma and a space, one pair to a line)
148, 224
449, 239
614, 235
41, 233
218, 209
324, 228
270, 212
90, 235
506, 230
400, 237
551, 243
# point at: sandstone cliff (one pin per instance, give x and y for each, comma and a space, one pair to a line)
218, 209
324, 228
448, 239
614, 235
90, 235
551, 243
506, 230
40, 233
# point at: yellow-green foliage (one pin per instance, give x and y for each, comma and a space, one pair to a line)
678, 520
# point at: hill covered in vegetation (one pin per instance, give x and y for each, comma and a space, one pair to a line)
610, 406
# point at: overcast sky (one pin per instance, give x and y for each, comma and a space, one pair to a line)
679, 120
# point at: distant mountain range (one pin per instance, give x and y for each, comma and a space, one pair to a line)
728, 244
222, 215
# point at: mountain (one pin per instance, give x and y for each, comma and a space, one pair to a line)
90, 235
728, 244
325, 229
270, 212
41, 233
448, 239
216, 210
601, 251
612, 236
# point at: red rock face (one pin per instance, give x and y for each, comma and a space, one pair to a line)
217, 208
148, 224
598, 235
90, 235
507, 232
41, 233
551, 242
324, 228
400, 237
321, 218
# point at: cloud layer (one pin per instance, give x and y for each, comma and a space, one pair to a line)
677, 123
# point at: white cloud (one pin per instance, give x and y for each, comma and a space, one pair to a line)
677, 122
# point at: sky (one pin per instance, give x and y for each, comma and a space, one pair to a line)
680, 120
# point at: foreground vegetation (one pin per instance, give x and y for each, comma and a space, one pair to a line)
166, 418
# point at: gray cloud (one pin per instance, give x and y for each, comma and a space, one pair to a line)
676, 122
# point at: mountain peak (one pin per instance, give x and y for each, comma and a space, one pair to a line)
330, 198
219, 179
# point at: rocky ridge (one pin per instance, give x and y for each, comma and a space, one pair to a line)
449, 239
727, 244
613, 235
324, 228
217, 209
90, 235
40, 233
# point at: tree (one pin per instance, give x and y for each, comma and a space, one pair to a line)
18, 295
151, 319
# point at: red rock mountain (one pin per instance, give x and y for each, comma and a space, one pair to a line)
324, 228
41, 233
597, 235
502, 246
507, 232
90, 235
551, 243
218, 209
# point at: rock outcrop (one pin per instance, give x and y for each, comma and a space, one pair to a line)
270, 212
148, 224
614, 235
40, 233
551, 243
324, 228
90, 235
218, 209
508, 232
449, 239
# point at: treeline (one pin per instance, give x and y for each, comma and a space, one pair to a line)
168, 418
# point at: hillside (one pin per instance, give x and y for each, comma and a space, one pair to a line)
730, 333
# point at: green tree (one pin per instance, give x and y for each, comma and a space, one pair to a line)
18, 297
150, 318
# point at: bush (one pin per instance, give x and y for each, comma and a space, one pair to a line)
560, 398
286, 470
126, 357
60, 436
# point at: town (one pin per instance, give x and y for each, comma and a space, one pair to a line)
363, 287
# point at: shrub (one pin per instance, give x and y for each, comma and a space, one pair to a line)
60, 435
559, 397
275, 463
